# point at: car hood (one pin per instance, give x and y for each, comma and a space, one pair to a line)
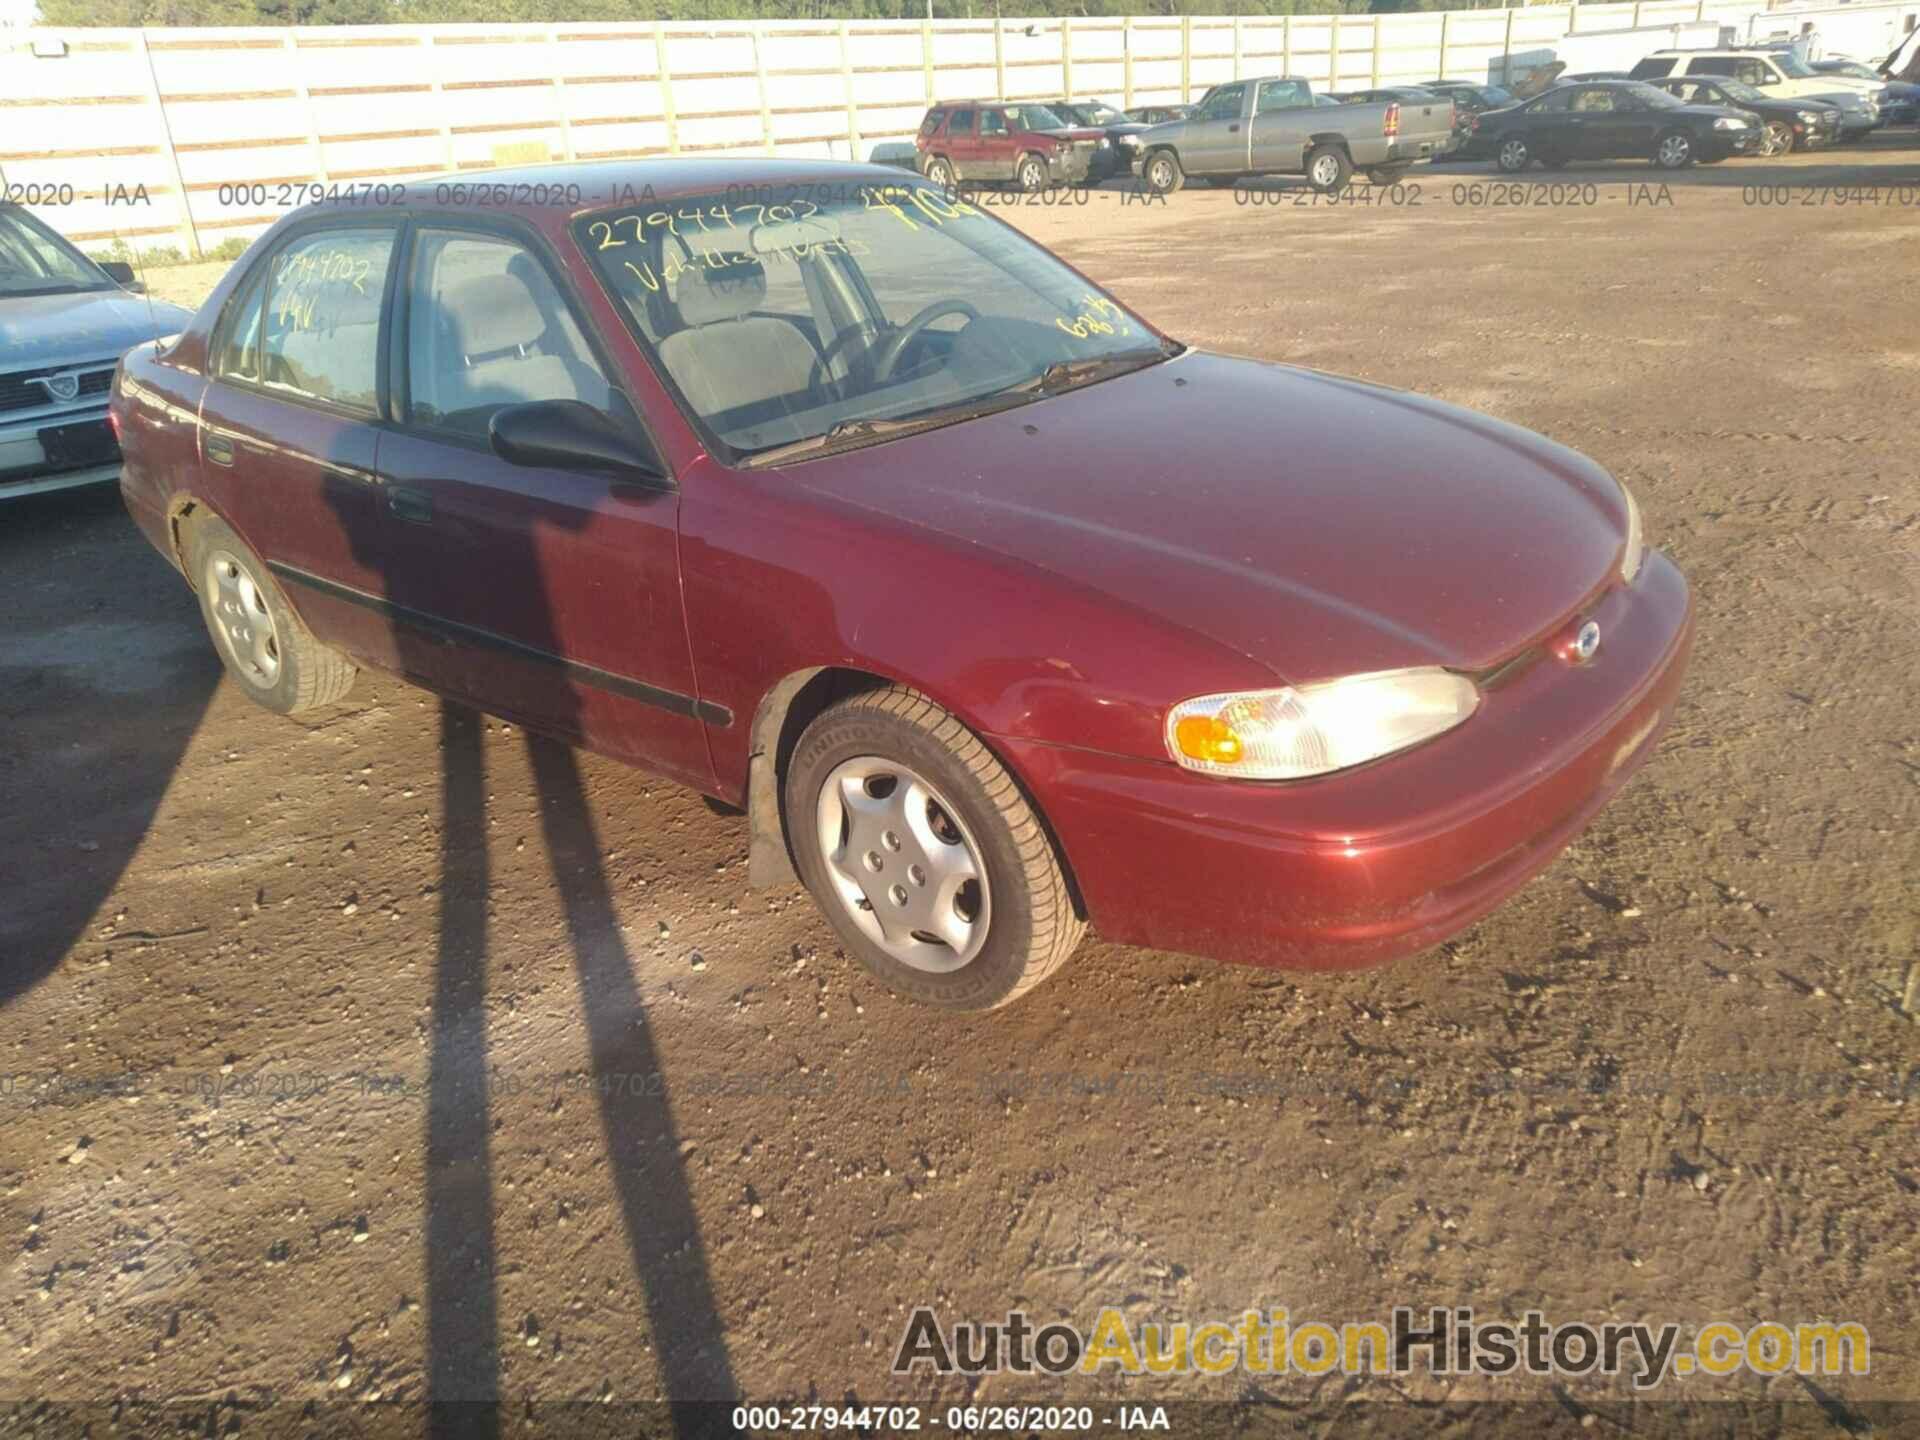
1074, 132
1319, 525
40, 330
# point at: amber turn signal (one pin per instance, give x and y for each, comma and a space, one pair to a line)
1208, 738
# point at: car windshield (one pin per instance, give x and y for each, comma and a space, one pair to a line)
1494, 95
832, 321
36, 261
1853, 69
1736, 90
1098, 114
1034, 117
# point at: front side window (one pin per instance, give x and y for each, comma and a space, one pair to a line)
36, 261
486, 328
992, 122
1222, 104
843, 320
320, 335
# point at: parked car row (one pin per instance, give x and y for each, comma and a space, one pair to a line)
1674, 108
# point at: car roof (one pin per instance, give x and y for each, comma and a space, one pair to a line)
606, 184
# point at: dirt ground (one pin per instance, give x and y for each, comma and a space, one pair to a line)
382, 1052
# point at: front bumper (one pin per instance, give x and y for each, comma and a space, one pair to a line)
1385, 860
27, 468
1721, 144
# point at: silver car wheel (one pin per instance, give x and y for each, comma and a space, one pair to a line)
903, 864
241, 618
1674, 151
940, 174
1326, 170
1513, 155
1032, 177
1160, 173
1778, 139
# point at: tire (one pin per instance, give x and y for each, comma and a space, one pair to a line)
1673, 150
872, 745
1328, 169
1780, 139
1513, 154
289, 671
1160, 172
1552, 161
940, 171
1388, 174
1030, 174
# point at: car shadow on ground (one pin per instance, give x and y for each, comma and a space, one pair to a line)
649, 1175
133, 655
1890, 159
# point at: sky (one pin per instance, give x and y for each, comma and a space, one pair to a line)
17, 12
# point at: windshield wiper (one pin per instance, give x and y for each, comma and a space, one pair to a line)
1066, 374
849, 434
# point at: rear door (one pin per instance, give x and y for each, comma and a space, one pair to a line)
1282, 117
548, 595
1216, 140
962, 146
288, 432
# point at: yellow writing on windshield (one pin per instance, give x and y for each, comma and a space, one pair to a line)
1096, 316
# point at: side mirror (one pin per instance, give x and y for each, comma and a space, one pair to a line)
121, 273
567, 435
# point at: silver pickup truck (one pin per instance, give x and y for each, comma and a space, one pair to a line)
1271, 126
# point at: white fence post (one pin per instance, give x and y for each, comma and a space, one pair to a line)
1286, 45
926, 56
665, 75
306, 107
1186, 59
1236, 47
1375, 82
1066, 54
1333, 52
853, 104
760, 86
166, 141
560, 98
1126, 60
999, 62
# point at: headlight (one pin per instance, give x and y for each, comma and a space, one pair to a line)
1635, 549
1730, 122
1302, 730
1809, 117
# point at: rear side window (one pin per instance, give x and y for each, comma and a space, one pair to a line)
486, 328
1755, 72
1281, 95
960, 123
932, 122
1715, 65
321, 332
1654, 67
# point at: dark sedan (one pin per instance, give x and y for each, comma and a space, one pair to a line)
1470, 102
1116, 125
1615, 120
1786, 124
1001, 613
1160, 114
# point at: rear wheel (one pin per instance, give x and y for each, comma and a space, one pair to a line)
1673, 150
1388, 174
262, 642
1514, 155
924, 853
1328, 169
940, 172
1162, 172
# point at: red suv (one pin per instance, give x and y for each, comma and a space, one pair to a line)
1031, 145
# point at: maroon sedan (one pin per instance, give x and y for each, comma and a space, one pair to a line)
1002, 613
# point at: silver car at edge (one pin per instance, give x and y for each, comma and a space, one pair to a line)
64, 324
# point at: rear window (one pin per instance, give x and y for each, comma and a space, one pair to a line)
1654, 67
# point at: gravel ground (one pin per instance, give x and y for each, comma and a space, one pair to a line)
385, 1050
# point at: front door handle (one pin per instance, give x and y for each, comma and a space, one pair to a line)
219, 450
409, 504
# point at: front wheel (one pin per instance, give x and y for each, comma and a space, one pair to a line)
1778, 138
1162, 172
1514, 155
262, 642
1674, 150
924, 853
1030, 175
1328, 169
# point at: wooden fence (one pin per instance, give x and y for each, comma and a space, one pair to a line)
183, 138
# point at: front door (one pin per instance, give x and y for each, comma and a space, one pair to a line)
545, 595
998, 150
1216, 138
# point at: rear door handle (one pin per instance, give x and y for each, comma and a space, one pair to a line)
219, 449
409, 504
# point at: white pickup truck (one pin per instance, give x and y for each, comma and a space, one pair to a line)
1271, 126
